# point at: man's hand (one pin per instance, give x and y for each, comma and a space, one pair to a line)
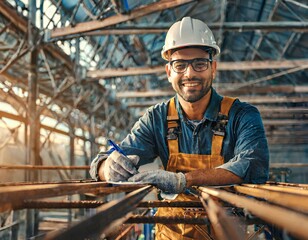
168, 182
118, 167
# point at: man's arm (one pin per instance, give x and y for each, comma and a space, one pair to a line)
171, 182
136, 144
251, 155
216, 176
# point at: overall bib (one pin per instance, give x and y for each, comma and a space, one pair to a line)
182, 162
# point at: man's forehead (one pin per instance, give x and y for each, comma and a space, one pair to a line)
188, 52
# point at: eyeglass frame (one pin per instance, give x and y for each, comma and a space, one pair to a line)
190, 62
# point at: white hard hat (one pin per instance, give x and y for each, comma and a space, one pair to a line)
189, 32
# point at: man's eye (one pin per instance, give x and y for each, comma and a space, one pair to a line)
179, 65
200, 64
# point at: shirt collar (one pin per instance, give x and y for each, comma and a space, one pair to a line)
212, 110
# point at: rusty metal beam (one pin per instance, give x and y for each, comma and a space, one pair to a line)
24, 120
280, 188
224, 226
285, 184
13, 195
221, 66
94, 204
225, 26
107, 217
253, 100
121, 72
41, 167
21, 24
13, 17
244, 91
99, 24
293, 222
294, 201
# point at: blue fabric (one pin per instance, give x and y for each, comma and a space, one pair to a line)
245, 148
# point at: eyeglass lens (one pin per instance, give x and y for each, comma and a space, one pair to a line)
198, 64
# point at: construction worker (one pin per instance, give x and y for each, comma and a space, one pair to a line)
201, 137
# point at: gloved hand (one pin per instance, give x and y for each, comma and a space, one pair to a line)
118, 167
168, 182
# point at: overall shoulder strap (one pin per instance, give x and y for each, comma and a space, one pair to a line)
173, 124
226, 105
219, 132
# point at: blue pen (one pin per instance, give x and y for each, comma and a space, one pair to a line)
114, 147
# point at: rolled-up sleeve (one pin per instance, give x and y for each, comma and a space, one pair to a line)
251, 154
140, 141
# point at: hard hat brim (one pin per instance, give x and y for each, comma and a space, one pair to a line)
165, 51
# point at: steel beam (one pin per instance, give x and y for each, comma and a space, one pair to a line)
33, 148
295, 189
293, 222
221, 66
224, 226
99, 24
243, 91
83, 30
25, 120
107, 217
253, 100
294, 201
41, 167
13, 195
94, 204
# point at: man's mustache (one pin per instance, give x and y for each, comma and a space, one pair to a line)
193, 79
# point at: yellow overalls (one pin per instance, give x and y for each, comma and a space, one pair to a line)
182, 162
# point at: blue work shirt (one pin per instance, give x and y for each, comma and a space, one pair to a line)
245, 148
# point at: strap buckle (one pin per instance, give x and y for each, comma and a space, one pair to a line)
219, 127
172, 133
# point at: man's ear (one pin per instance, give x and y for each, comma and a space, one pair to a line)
168, 71
214, 65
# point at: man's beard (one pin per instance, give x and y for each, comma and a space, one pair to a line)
196, 94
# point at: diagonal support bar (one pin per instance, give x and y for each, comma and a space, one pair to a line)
95, 25
108, 216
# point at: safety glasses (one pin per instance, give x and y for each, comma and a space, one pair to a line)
198, 64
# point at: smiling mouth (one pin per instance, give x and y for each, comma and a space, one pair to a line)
190, 84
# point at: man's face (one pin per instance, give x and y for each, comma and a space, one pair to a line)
191, 85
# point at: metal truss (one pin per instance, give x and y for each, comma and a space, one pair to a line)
112, 50
57, 89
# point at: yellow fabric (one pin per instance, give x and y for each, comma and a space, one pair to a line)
182, 162
172, 120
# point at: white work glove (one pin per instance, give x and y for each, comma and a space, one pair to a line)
168, 182
118, 167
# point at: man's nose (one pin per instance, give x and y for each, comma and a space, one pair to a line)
189, 71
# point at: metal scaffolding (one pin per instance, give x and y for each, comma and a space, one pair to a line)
86, 72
